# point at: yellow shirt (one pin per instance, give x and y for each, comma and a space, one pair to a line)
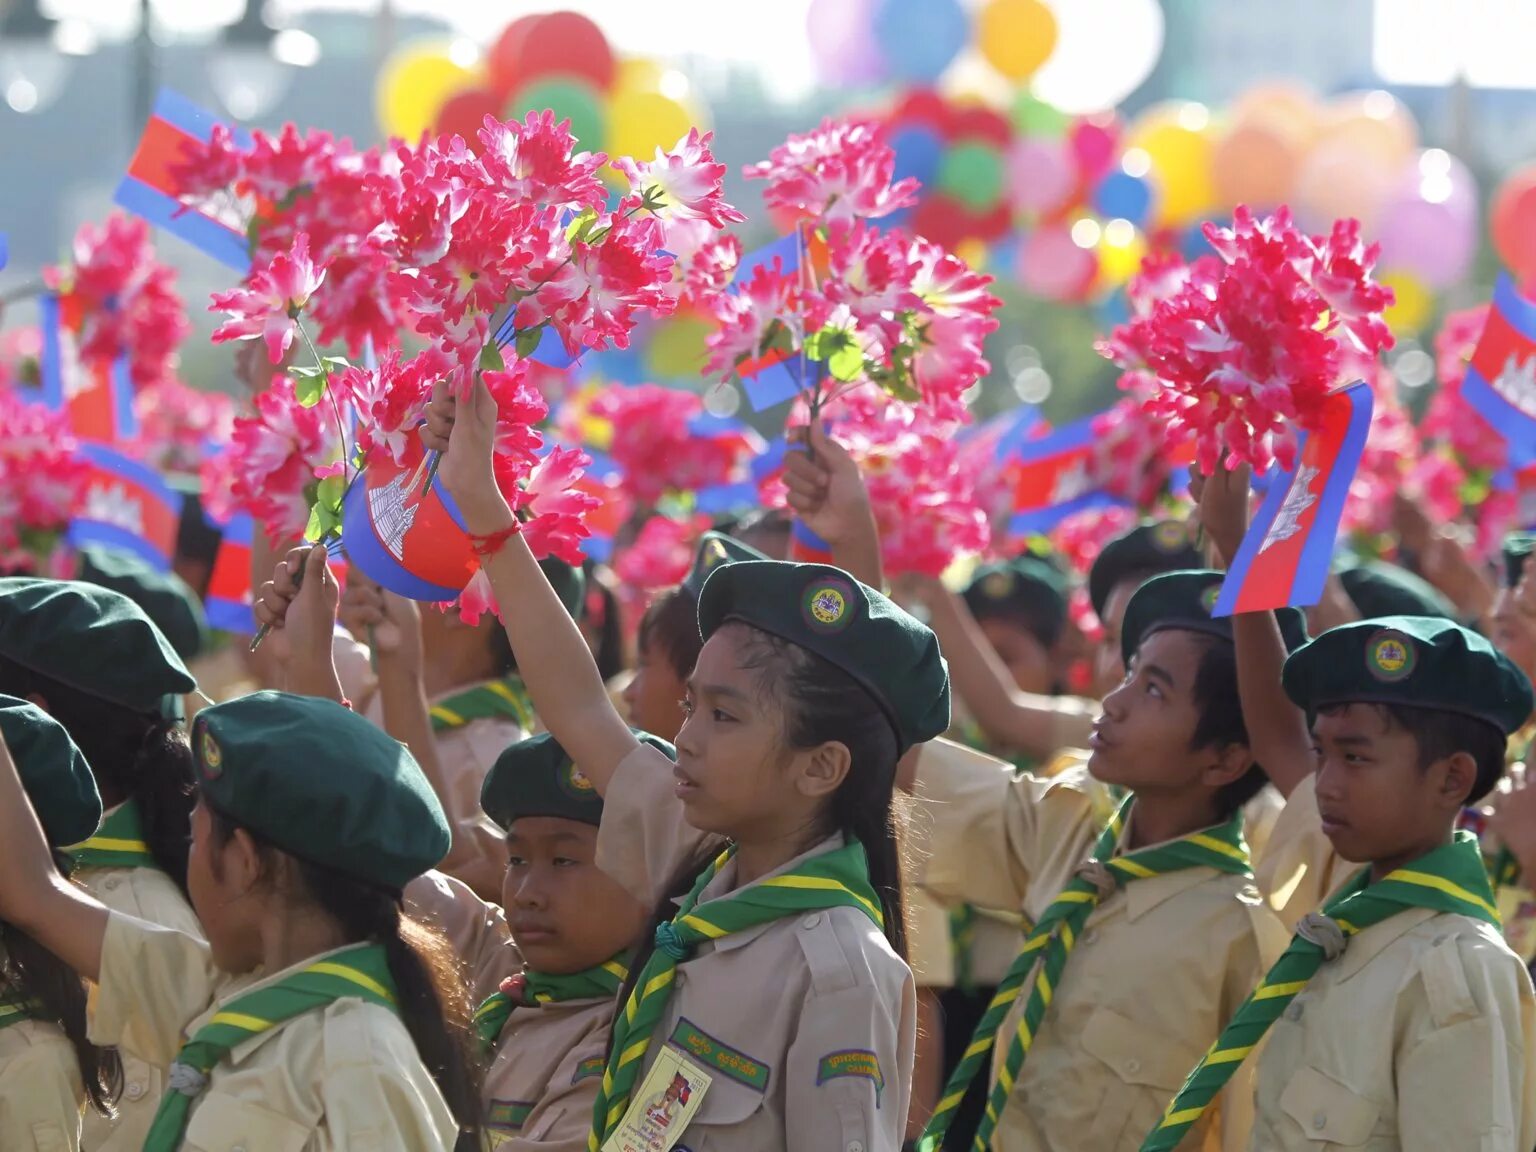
1159, 969
786, 996
151, 895
40, 1091
344, 1078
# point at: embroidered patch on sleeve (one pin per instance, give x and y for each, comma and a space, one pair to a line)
859, 1063
508, 1115
716, 1056
588, 1068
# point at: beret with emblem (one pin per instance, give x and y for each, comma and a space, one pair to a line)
1028, 589
1183, 601
822, 609
164, 596
321, 783
1147, 549
715, 549
1414, 661
535, 777
55, 775
92, 639
1380, 589
1517, 546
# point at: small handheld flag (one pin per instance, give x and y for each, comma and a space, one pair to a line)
127, 506
1285, 556
216, 225
1052, 479
5, 251
97, 398
777, 376
228, 600
1500, 383
805, 547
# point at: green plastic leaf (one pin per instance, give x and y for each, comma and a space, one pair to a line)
325, 516
491, 360
528, 341
335, 364
846, 363
309, 382
580, 229
778, 338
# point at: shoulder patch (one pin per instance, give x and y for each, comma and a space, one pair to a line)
508, 1115
859, 1063
717, 1056
588, 1068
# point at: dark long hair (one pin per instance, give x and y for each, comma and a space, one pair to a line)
31, 972
821, 703
671, 625
139, 756
432, 989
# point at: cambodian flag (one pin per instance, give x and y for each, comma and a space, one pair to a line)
720, 499
1501, 379
97, 398
128, 506
216, 225
777, 376
805, 547
228, 601
1052, 479
1285, 556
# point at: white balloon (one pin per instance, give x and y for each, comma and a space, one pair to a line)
1104, 50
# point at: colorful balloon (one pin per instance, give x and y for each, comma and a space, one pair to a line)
843, 49
502, 62
1123, 196
570, 99
641, 122
464, 114
677, 350
920, 38
1414, 303
972, 172
1255, 163
1176, 138
1094, 141
1041, 174
1032, 116
1512, 220
1429, 228
1052, 265
1336, 181
413, 86
562, 44
1016, 36
1375, 125
919, 150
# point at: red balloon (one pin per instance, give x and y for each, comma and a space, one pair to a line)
923, 106
464, 114
993, 127
1093, 142
1512, 221
502, 61
566, 44
942, 219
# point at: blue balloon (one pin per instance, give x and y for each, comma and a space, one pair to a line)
919, 151
1193, 244
1124, 196
1114, 309
920, 38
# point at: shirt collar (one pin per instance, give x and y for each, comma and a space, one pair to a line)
1366, 945
724, 884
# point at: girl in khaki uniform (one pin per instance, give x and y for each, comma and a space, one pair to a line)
91, 658
771, 1012
47, 1067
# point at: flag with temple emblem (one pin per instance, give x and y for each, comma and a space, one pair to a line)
228, 599
1285, 557
216, 224
127, 506
776, 375
1053, 478
96, 397
1500, 382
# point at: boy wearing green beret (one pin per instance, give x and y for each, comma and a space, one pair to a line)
1122, 566
48, 1069
1398, 1017
1147, 930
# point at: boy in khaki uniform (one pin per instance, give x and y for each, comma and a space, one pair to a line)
1398, 1018
1090, 1029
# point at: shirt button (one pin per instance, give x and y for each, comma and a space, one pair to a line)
855, 1146
1320, 1121
1132, 1067
135, 1091
111, 885
1090, 936
1293, 1011
812, 921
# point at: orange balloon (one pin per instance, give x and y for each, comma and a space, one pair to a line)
1512, 220
1337, 181
1374, 124
1284, 108
1255, 163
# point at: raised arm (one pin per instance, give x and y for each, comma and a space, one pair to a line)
552, 657
828, 495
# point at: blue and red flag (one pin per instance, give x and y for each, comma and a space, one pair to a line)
1285, 557
1053, 479
127, 505
1501, 379
5, 251
97, 398
805, 547
216, 225
778, 375
228, 600
741, 492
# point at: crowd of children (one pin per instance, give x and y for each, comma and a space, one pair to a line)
1248, 882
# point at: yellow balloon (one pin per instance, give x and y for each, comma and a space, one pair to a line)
1176, 137
678, 351
414, 84
1016, 36
641, 122
1414, 305
637, 74
1118, 262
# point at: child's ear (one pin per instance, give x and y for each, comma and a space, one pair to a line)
1458, 776
1230, 766
824, 770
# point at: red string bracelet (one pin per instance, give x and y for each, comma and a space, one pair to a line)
493, 542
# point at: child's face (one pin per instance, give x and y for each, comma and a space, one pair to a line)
1376, 804
1026, 658
219, 880
566, 915
654, 694
1514, 631
1142, 740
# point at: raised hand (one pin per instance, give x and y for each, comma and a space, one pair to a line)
825, 488
465, 433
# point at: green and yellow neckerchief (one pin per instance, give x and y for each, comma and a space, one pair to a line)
504, 699
118, 843
528, 987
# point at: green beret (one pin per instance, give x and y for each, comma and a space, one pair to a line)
164, 596
1160, 546
55, 775
535, 777
1414, 661
1183, 600
715, 549
1381, 589
91, 639
830, 614
1028, 588
569, 583
1517, 546
321, 783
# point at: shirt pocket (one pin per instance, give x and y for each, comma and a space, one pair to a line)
1328, 1114
49, 1137
223, 1123
732, 1116
1140, 1071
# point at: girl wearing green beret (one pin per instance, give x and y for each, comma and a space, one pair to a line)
770, 1007
318, 1016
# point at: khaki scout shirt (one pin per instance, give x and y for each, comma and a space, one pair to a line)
475, 929
40, 1091
1159, 969
151, 895
784, 997
344, 1078
1416, 1039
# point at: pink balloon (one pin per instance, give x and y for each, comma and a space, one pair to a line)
1429, 228
1093, 146
844, 51
1040, 174
1052, 266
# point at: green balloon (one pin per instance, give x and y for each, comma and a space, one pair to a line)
973, 174
570, 99
1034, 117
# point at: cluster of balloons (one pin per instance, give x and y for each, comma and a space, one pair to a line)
1512, 220
863, 42
558, 60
